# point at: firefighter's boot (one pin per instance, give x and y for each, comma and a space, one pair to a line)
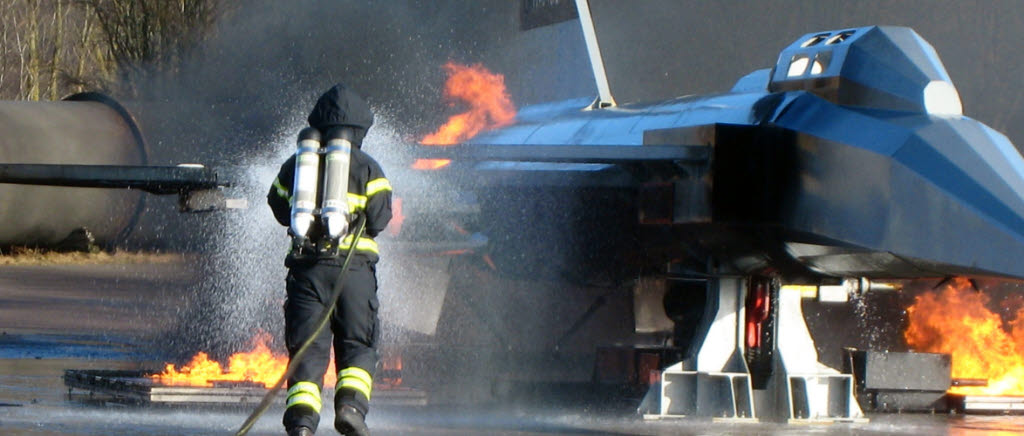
300, 431
350, 422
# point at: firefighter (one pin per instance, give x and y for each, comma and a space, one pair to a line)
313, 271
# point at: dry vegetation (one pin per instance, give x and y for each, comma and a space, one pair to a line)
36, 256
53, 48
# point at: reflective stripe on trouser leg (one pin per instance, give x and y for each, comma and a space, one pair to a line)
357, 379
305, 393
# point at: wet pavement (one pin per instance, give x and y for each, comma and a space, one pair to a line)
54, 318
34, 401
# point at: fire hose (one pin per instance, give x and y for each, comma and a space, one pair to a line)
322, 322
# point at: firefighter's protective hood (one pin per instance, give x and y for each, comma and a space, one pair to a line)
341, 106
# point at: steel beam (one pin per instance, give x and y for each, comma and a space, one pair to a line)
159, 180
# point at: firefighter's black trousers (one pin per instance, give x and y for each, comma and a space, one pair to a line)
354, 325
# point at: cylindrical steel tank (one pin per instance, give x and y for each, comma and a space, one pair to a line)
87, 128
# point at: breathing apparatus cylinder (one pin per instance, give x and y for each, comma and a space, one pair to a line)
307, 169
335, 209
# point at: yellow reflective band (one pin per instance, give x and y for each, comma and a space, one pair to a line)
356, 372
281, 190
356, 202
806, 291
355, 378
377, 185
304, 399
365, 244
304, 386
307, 393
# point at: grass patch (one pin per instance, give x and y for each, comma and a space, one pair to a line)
38, 256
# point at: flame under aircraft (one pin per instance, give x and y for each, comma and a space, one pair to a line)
847, 163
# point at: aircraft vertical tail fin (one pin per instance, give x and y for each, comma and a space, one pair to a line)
604, 92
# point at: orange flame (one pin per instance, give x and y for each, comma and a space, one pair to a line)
259, 365
430, 164
956, 321
397, 217
484, 93
390, 374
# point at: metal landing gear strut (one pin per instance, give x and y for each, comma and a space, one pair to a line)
757, 360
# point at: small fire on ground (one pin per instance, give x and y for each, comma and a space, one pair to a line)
956, 320
258, 365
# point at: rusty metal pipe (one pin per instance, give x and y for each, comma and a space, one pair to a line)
969, 382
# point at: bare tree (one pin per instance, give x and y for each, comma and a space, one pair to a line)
33, 74
36, 60
4, 44
20, 47
89, 54
55, 47
147, 37
59, 16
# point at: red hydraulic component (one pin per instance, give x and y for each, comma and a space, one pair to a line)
758, 310
390, 375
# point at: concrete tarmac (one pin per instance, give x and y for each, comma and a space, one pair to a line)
61, 317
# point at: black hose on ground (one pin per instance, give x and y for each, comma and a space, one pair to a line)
324, 319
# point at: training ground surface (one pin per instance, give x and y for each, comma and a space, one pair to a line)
61, 317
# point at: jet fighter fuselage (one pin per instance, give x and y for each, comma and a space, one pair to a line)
849, 157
